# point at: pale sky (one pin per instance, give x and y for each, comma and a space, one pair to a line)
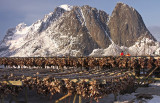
13, 12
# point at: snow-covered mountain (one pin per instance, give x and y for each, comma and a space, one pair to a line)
143, 47
77, 31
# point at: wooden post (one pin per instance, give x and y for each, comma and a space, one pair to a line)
145, 78
2, 100
15, 99
91, 99
26, 97
80, 99
74, 100
115, 96
69, 99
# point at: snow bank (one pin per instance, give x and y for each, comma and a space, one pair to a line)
156, 99
143, 47
157, 84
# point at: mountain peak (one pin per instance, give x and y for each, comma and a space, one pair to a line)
123, 7
21, 26
121, 3
66, 7
126, 25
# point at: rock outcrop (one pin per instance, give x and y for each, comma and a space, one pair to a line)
126, 26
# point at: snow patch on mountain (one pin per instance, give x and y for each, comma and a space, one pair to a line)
112, 50
17, 40
82, 15
66, 7
144, 47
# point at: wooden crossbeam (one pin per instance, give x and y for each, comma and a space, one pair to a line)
16, 83
146, 77
69, 94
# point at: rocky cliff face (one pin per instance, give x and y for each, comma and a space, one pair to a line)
126, 26
95, 22
88, 25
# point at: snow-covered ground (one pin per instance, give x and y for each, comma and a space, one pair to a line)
152, 90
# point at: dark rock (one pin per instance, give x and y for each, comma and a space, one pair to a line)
96, 24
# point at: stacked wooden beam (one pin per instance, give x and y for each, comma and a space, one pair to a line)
93, 83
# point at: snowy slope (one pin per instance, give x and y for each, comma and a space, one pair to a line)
112, 50
26, 40
143, 47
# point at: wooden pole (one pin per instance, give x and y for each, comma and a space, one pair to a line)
15, 99
74, 100
115, 96
57, 101
145, 78
26, 97
2, 100
69, 99
80, 99
91, 99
